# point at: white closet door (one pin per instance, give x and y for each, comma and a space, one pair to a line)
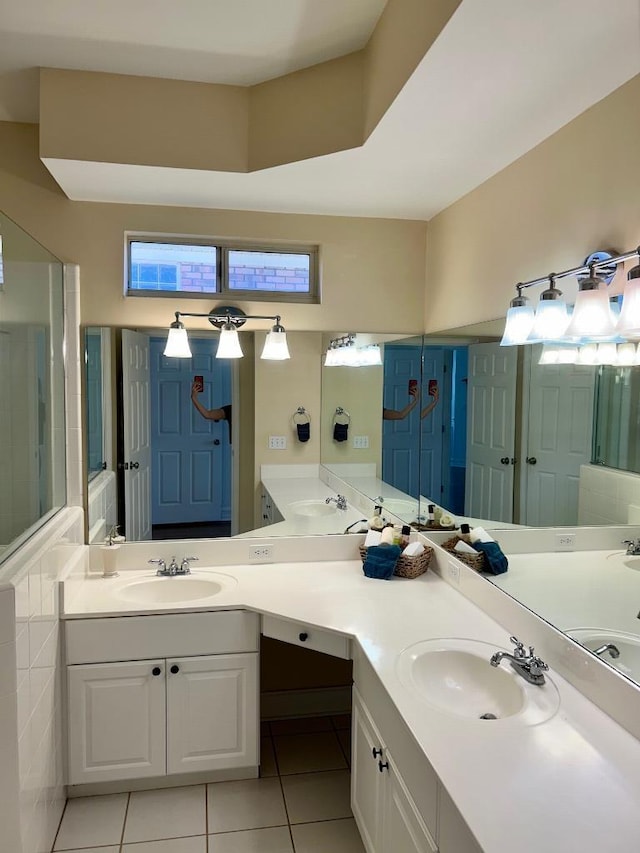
212, 712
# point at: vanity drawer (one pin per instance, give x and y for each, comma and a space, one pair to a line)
170, 635
303, 635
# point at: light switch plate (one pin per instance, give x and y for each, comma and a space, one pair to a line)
277, 442
361, 442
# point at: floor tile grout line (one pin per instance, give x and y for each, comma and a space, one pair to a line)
124, 822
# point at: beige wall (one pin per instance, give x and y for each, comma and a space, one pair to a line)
577, 192
359, 391
360, 258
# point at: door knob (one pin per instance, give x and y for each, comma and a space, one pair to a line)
216, 441
303, 636
135, 465
531, 460
175, 669
504, 460
156, 670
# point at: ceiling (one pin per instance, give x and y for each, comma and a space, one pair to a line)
502, 77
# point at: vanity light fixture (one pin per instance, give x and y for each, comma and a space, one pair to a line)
594, 318
228, 319
344, 352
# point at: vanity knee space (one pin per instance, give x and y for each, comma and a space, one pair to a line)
155, 696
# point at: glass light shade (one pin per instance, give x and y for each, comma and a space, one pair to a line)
549, 354
629, 322
587, 354
550, 321
370, 356
627, 354
229, 344
177, 345
607, 353
330, 358
275, 347
567, 355
592, 317
518, 325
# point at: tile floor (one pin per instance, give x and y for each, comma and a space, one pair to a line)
300, 804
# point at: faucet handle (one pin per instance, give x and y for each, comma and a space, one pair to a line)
162, 566
519, 647
185, 567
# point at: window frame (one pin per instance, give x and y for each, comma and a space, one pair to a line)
223, 247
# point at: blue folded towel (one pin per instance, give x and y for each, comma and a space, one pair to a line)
495, 561
381, 561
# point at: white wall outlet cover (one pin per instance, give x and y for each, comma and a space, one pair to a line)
260, 553
277, 442
565, 542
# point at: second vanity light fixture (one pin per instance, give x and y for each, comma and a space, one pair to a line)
597, 332
228, 319
345, 352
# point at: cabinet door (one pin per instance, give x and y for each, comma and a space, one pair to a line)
403, 830
366, 779
116, 721
212, 712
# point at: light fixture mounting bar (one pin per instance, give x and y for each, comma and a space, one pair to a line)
588, 268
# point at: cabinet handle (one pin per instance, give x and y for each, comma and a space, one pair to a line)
175, 668
156, 671
303, 636
383, 765
376, 752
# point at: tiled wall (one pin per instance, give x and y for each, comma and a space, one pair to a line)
103, 509
608, 496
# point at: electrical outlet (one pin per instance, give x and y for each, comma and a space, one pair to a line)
277, 442
565, 541
361, 442
453, 571
261, 553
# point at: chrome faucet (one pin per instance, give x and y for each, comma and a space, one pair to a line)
528, 665
340, 501
633, 548
173, 568
614, 651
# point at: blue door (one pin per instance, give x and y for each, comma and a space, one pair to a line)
401, 438
191, 456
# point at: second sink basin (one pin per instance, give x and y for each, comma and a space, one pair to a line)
312, 509
454, 676
170, 590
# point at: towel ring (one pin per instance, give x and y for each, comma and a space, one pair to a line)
341, 413
301, 416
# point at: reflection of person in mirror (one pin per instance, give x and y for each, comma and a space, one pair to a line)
221, 414
414, 393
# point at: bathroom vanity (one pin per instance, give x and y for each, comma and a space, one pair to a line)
421, 774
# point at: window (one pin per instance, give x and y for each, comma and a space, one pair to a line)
160, 268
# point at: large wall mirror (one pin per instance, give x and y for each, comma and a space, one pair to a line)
32, 445
510, 442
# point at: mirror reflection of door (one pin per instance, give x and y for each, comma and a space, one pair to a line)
135, 465
491, 432
400, 447
191, 455
557, 412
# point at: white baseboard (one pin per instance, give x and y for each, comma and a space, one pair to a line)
319, 701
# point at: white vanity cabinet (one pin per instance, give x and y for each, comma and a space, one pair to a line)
386, 814
167, 714
386, 765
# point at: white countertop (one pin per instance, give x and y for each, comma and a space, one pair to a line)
571, 783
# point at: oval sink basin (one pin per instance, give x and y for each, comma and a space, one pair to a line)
170, 590
455, 677
312, 509
401, 508
628, 645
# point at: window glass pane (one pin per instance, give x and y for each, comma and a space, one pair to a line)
172, 267
272, 271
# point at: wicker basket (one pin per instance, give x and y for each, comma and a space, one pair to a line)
408, 567
471, 560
